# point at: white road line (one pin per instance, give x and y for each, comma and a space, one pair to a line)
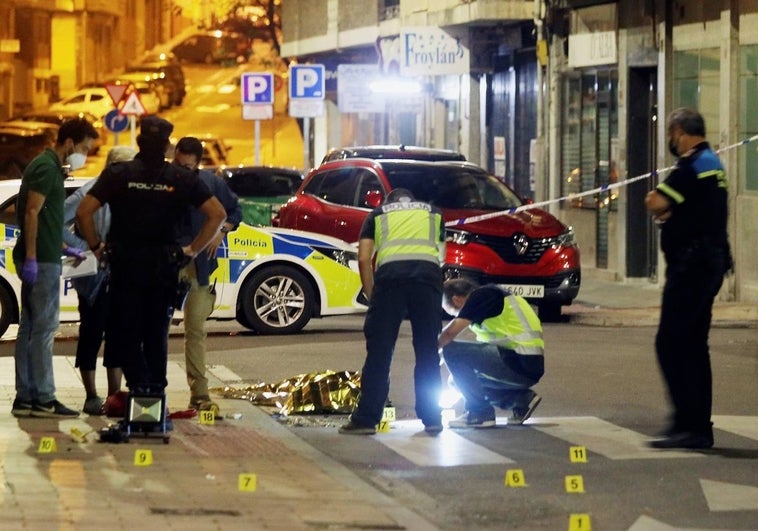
407, 438
723, 496
604, 438
743, 426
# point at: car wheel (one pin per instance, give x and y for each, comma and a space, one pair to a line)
7, 310
277, 300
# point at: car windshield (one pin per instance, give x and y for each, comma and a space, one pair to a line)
453, 187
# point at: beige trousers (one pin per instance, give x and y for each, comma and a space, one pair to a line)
197, 307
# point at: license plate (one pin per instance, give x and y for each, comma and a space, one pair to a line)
533, 291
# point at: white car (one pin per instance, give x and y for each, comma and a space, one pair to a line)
270, 280
92, 100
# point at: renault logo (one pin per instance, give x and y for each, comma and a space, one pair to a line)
520, 244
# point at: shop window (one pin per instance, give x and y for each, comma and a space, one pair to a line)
590, 127
697, 85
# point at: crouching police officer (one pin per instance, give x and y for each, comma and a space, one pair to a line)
148, 198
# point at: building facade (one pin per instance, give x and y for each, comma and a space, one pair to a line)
557, 98
49, 48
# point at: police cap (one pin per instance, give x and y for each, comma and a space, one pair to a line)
156, 126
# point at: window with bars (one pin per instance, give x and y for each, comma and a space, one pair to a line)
590, 127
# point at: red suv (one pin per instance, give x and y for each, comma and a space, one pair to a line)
531, 252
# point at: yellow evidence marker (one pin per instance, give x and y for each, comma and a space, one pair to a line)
247, 482
574, 484
388, 415
47, 445
207, 417
578, 454
579, 522
143, 457
515, 478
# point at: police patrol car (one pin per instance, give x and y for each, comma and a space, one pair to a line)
270, 280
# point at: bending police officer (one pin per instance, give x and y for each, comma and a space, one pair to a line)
409, 239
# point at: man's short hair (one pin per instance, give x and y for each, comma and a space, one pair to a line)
689, 120
189, 145
77, 129
461, 287
398, 194
120, 154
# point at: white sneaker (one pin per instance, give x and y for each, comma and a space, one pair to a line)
467, 421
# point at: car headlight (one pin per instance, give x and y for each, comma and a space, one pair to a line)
565, 239
340, 256
460, 237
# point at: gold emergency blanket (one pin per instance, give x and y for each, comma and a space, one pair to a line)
316, 392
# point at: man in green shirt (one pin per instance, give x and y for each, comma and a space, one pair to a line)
37, 257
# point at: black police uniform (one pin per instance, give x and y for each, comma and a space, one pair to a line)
147, 203
695, 244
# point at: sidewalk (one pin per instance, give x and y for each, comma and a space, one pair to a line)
603, 301
192, 483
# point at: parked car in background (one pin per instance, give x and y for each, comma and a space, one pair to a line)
20, 142
213, 47
93, 100
391, 152
164, 69
150, 89
58, 117
530, 252
273, 281
262, 190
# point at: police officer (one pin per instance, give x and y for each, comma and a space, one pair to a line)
690, 207
506, 360
408, 237
148, 198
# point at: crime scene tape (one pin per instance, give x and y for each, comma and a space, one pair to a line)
594, 191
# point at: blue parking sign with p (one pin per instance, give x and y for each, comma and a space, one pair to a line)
307, 82
257, 88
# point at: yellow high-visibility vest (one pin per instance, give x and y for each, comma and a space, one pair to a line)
517, 328
407, 231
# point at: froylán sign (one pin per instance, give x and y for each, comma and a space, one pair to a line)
432, 51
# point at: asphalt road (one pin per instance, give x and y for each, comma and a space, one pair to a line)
602, 392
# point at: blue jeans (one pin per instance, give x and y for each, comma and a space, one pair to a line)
40, 316
484, 378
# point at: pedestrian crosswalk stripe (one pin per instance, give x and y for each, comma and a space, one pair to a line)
740, 425
407, 438
604, 438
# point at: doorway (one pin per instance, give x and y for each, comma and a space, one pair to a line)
641, 238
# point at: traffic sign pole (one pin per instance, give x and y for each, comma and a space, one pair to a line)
257, 142
133, 127
307, 88
257, 91
306, 144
